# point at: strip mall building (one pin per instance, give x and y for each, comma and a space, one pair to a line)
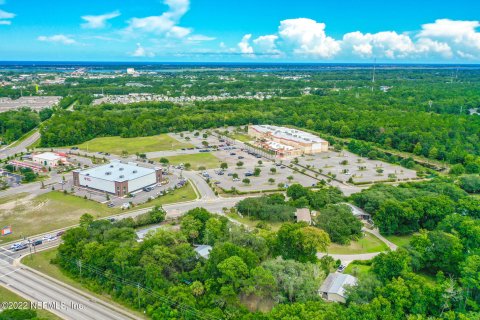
117, 178
286, 142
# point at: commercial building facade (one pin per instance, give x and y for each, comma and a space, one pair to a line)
117, 178
286, 142
49, 159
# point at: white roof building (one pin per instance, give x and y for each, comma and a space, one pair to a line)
203, 251
118, 171
289, 134
117, 177
48, 159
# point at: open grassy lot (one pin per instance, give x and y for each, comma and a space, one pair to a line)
253, 223
41, 262
368, 244
117, 145
8, 296
356, 269
53, 210
196, 160
241, 137
400, 240
180, 195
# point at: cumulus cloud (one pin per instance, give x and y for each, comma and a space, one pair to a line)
461, 36
164, 24
266, 44
141, 52
244, 45
307, 38
100, 21
5, 17
58, 38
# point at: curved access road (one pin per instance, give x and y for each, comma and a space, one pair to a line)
21, 147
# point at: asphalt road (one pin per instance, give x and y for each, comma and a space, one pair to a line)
21, 147
58, 298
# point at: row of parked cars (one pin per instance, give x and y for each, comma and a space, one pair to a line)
35, 242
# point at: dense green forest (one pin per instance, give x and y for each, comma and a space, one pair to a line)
436, 276
414, 206
14, 124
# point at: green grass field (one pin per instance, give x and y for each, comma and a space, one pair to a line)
180, 195
8, 296
41, 262
196, 160
356, 269
49, 211
367, 244
400, 240
117, 145
241, 137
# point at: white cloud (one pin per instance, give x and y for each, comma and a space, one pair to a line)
266, 44
58, 38
142, 52
5, 17
164, 24
200, 37
460, 35
388, 44
100, 21
307, 38
245, 46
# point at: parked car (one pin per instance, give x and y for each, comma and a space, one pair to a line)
236, 179
341, 268
60, 233
110, 205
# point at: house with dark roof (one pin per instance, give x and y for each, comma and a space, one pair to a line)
333, 288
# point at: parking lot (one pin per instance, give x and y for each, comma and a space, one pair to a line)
232, 157
344, 165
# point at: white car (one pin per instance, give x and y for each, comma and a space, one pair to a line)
52, 238
47, 237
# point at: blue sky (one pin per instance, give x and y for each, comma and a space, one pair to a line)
247, 30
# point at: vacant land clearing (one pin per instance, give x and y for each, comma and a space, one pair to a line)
196, 160
54, 210
118, 145
368, 244
33, 215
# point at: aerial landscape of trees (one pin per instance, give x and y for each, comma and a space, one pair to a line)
427, 118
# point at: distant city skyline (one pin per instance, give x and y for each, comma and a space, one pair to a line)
241, 31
